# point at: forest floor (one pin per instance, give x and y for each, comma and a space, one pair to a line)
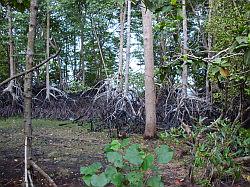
61, 150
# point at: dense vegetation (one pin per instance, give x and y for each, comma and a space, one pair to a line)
177, 70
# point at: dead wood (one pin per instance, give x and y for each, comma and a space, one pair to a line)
245, 159
45, 175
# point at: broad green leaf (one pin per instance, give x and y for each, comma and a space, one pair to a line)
133, 155
155, 181
110, 172
242, 39
92, 169
214, 70
115, 158
117, 179
142, 154
87, 179
149, 4
99, 180
189, 61
164, 154
134, 178
167, 9
179, 13
125, 142
217, 61
185, 58
247, 57
148, 162
115, 145
173, 2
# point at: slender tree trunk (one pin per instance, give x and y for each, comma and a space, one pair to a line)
185, 49
150, 98
82, 8
60, 72
120, 66
47, 53
75, 63
82, 58
209, 44
9, 88
66, 77
128, 48
28, 83
100, 48
11, 45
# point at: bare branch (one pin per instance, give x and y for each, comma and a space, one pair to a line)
45, 175
30, 70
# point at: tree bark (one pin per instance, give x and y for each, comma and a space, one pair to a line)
11, 45
28, 80
209, 44
185, 49
120, 65
9, 88
82, 59
150, 97
128, 48
81, 8
47, 53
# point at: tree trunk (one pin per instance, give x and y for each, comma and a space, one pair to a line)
28, 82
11, 45
9, 88
82, 64
75, 62
209, 44
120, 65
150, 97
81, 8
47, 53
128, 48
185, 48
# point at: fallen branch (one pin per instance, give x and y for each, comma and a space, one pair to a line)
30, 70
245, 159
45, 175
30, 179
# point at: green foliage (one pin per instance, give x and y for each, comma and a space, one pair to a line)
133, 156
155, 181
77, 86
4, 68
20, 5
219, 68
215, 150
128, 166
164, 154
229, 17
173, 134
215, 153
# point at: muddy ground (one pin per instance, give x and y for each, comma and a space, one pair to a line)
61, 150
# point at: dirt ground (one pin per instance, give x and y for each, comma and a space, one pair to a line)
61, 150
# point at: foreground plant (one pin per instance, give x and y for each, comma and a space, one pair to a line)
218, 152
129, 165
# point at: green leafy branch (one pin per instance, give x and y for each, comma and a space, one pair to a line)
129, 165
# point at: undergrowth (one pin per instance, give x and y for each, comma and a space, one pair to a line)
128, 165
214, 151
